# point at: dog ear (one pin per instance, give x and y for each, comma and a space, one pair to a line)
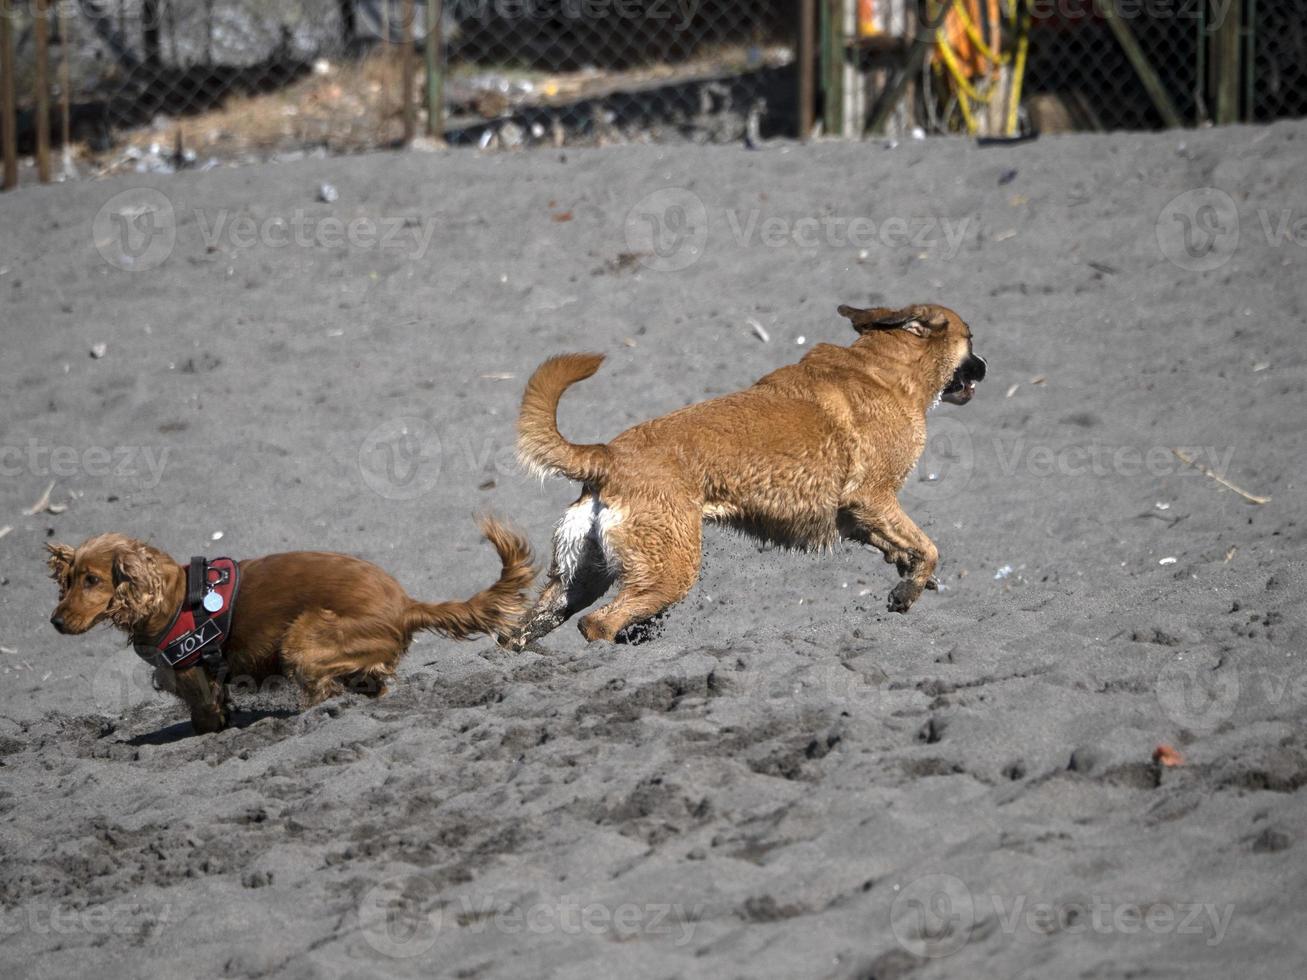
137, 586
920, 321
60, 560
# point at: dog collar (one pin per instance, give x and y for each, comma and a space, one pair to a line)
202, 622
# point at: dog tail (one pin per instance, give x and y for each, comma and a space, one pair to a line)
540, 446
492, 610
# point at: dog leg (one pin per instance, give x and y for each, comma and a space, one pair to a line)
659, 554
205, 696
559, 601
893, 532
327, 655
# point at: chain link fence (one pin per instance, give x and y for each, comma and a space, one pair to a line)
158, 84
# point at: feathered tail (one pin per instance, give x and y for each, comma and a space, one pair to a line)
540, 446
492, 610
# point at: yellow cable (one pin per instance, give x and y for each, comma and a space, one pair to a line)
1018, 72
973, 32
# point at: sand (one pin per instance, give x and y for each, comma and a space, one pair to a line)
788, 781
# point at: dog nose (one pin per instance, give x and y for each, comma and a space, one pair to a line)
978, 368
57, 622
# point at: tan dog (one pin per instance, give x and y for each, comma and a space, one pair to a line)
328, 622
811, 452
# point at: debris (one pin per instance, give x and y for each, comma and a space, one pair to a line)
41, 505
56, 508
486, 485
98, 351
1012, 390
800, 340
1207, 471
1229, 552
561, 216
1003, 572
1162, 505
1169, 560
1003, 236
5, 530
215, 536
1007, 176
328, 194
9, 650
499, 376
1038, 379
1166, 755
1260, 366
759, 330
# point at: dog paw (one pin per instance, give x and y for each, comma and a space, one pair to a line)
902, 596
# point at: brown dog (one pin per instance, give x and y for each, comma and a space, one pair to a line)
810, 452
329, 622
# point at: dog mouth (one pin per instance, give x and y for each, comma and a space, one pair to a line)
963, 383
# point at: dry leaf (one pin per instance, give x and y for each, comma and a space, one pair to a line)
1166, 755
41, 504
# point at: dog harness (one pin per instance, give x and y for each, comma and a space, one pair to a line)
201, 625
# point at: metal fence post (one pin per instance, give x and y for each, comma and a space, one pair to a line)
8, 103
41, 79
406, 73
433, 49
807, 14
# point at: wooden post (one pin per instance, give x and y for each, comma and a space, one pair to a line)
923, 41
1139, 61
434, 51
65, 86
832, 52
807, 14
8, 101
41, 79
406, 75
1226, 63
1250, 64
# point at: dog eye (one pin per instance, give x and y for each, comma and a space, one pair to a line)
91, 581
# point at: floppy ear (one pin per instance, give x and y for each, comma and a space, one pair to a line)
60, 560
137, 586
919, 321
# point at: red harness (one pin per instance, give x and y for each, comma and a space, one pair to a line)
200, 627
